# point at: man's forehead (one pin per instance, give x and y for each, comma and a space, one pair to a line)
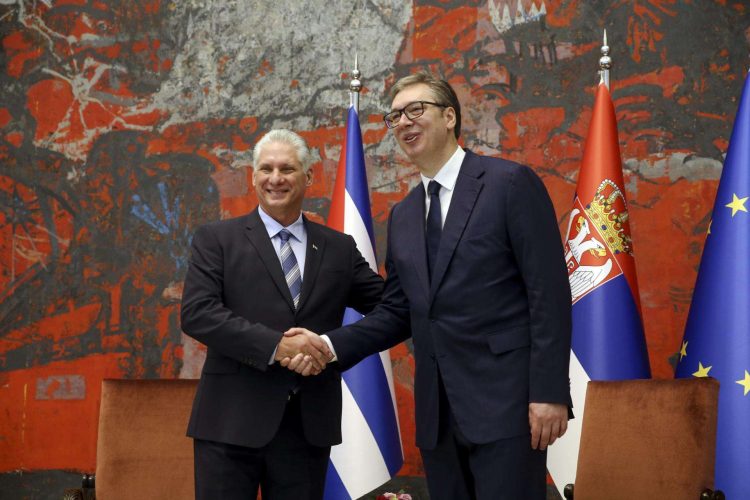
415, 92
278, 150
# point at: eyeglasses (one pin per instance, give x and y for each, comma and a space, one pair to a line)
413, 110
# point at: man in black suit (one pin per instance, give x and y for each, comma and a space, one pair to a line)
476, 276
254, 423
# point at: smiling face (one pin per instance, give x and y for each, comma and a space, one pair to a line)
280, 182
427, 140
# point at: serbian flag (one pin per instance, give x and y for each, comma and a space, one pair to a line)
717, 333
371, 452
608, 341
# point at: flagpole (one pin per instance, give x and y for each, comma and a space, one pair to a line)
605, 62
355, 86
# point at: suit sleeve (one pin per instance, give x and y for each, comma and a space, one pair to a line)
386, 326
537, 247
366, 289
204, 316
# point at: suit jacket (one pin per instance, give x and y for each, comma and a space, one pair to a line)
236, 302
494, 319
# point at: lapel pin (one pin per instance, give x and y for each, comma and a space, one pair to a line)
315, 247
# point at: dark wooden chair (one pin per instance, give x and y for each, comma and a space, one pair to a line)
142, 450
647, 439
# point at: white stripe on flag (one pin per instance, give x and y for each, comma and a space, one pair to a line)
355, 227
562, 457
357, 459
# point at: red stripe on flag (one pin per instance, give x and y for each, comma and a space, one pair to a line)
338, 199
601, 156
601, 160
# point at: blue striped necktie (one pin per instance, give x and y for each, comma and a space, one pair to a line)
290, 267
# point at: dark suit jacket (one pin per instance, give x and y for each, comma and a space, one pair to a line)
495, 319
236, 302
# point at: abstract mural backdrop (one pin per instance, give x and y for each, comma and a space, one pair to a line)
126, 124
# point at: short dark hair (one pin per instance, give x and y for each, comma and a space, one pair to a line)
444, 93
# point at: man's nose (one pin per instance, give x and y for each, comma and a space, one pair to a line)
404, 120
276, 176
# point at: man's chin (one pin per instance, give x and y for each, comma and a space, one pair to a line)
412, 150
277, 200
414, 155
274, 205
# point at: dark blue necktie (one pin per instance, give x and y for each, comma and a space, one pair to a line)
290, 267
434, 224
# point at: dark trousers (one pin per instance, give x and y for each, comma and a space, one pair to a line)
287, 468
507, 469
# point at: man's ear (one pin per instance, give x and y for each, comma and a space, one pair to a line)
252, 175
450, 116
309, 175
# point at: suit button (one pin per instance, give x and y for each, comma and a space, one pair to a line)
432, 320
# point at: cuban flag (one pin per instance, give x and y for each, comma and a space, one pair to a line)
717, 334
608, 341
371, 452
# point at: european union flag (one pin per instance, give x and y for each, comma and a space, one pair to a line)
717, 335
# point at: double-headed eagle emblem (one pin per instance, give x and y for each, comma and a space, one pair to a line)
596, 233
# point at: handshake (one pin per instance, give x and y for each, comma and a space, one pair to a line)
303, 351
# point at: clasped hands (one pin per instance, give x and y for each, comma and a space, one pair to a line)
303, 351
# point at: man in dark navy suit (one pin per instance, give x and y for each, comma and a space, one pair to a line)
476, 276
254, 423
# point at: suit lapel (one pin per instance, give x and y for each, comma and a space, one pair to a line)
258, 236
316, 244
468, 186
413, 235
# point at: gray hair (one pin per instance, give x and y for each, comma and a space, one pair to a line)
287, 137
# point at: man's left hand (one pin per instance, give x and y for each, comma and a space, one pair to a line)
548, 422
306, 364
302, 364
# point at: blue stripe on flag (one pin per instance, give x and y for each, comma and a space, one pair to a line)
369, 386
356, 174
335, 489
608, 340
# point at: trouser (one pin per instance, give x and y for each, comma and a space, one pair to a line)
457, 469
287, 468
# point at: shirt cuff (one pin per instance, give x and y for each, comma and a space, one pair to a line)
330, 347
273, 355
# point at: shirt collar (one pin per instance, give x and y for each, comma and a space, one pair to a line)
448, 173
297, 228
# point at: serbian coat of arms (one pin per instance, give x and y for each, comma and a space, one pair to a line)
596, 237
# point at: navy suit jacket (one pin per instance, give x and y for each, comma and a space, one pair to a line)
494, 319
236, 302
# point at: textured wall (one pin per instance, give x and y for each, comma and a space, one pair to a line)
125, 124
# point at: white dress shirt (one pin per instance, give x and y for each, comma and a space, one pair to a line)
298, 241
446, 177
